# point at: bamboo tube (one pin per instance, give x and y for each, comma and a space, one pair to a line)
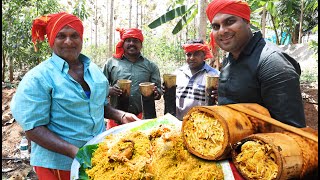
241, 108
147, 100
284, 155
211, 135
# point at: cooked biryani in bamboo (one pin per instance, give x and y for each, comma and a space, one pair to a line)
156, 154
257, 161
204, 133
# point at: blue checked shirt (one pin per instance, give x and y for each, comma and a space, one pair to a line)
49, 96
190, 90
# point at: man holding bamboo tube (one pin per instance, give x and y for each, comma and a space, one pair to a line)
255, 70
191, 84
128, 63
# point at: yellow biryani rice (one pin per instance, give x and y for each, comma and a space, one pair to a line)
204, 133
257, 161
156, 154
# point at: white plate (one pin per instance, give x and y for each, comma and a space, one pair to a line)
228, 175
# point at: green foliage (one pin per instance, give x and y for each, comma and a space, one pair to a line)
314, 46
80, 10
186, 16
84, 156
97, 55
17, 16
168, 16
286, 15
167, 55
185, 19
309, 76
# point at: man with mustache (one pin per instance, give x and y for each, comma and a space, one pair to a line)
190, 90
255, 70
128, 63
62, 102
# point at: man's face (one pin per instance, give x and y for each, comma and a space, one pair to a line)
195, 59
132, 46
231, 33
67, 44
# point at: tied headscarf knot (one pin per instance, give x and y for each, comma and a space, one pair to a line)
124, 34
198, 47
50, 25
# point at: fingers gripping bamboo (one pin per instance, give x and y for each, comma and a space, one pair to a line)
272, 121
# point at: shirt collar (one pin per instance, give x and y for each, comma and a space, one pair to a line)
61, 63
252, 43
205, 67
125, 58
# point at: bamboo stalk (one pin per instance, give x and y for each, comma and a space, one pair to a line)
272, 121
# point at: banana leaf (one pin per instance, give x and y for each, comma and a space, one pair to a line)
84, 158
183, 22
168, 16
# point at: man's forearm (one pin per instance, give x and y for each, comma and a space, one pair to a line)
112, 113
47, 139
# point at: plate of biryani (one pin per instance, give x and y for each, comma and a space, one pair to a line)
148, 149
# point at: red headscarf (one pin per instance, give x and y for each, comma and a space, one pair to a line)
235, 7
51, 24
124, 34
198, 47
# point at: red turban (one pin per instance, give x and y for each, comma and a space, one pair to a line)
235, 7
198, 47
51, 24
124, 34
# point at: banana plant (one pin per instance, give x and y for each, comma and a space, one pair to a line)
186, 15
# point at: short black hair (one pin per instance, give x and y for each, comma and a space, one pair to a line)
192, 41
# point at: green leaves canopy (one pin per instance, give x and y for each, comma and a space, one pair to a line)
186, 17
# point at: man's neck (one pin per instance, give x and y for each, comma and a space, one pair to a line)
195, 70
132, 58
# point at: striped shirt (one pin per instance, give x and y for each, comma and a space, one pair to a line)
190, 90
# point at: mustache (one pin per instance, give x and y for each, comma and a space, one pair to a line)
132, 46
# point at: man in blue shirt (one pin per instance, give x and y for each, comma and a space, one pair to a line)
62, 102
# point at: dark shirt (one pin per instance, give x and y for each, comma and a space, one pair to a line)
140, 71
265, 75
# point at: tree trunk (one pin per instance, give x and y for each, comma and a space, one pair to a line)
275, 30
107, 25
3, 66
141, 16
111, 29
202, 4
96, 25
130, 13
263, 21
295, 35
301, 21
137, 17
10, 69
